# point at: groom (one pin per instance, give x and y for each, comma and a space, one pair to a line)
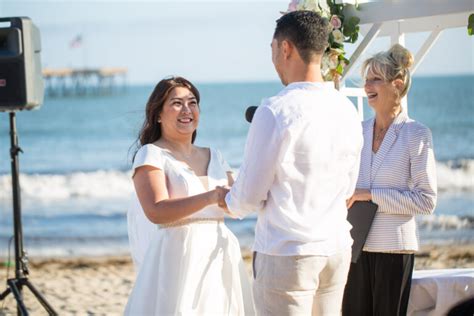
300, 165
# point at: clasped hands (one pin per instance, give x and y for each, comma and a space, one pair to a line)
221, 193
359, 195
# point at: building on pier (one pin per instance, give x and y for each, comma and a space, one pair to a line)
83, 81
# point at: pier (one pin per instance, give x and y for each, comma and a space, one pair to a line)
83, 81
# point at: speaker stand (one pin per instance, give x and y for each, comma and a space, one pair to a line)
15, 285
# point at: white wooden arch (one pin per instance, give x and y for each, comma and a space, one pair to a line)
395, 18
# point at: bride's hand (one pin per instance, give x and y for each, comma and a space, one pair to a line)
221, 193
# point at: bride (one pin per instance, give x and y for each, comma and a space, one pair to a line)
192, 263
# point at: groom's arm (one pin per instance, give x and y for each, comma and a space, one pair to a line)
256, 175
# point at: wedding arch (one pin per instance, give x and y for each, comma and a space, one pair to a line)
395, 19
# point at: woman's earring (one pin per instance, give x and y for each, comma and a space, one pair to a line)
159, 121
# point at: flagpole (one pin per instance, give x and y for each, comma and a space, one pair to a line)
84, 51
76, 43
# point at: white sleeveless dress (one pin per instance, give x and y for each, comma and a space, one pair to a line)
193, 267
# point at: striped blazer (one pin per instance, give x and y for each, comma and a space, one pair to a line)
402, 179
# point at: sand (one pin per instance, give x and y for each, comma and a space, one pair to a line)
100, 285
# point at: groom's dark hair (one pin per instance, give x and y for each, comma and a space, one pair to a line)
307, 30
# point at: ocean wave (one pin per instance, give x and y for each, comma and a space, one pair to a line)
456, 175
106, 184
445, 222
98, 184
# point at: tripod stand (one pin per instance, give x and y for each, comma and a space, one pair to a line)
16, 284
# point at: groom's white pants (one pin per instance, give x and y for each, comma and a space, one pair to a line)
300, 285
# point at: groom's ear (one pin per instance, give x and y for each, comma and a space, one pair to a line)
287, 49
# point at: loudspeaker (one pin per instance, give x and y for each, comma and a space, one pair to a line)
21, 80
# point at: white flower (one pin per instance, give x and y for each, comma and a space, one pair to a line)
328, 76
311, 5
319, 6
325, 65
338, 36
333, 61
300, 5
326, 11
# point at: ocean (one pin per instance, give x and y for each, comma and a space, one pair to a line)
75, 169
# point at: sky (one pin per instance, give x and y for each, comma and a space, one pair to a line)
212, 41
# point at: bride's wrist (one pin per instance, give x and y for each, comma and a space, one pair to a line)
213, 196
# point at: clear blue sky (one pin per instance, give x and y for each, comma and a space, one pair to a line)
205, 41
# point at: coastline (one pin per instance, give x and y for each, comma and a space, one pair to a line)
100, 285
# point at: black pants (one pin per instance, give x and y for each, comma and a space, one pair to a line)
378, 284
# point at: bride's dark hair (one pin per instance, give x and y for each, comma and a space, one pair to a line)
151, 129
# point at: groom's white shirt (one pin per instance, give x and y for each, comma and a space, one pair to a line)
300, 164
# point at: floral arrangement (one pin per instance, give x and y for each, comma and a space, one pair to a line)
343, 30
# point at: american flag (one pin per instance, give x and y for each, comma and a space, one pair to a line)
76, 41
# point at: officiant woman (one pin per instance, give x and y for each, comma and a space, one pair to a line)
398, 174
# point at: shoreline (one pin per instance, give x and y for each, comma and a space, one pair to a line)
100, 285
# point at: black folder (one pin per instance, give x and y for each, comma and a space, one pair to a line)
360, 215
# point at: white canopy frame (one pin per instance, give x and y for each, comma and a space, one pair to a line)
395, 18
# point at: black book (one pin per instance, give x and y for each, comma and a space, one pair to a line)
360, 215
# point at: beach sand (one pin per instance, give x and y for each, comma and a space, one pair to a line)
100, 285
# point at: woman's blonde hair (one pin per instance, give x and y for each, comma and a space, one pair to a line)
390, 65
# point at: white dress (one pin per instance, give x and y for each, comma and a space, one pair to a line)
193, 267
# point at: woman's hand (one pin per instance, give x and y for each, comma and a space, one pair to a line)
359, 195
221, 193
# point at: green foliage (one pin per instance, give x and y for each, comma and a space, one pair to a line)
350, 26
337, 45
470, 24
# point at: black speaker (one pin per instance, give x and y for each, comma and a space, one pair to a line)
21, 80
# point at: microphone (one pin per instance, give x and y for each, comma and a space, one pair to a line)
250, 112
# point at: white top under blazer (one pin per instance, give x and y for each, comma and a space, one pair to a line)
402, 179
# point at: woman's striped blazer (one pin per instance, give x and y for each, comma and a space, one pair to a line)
402, 179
